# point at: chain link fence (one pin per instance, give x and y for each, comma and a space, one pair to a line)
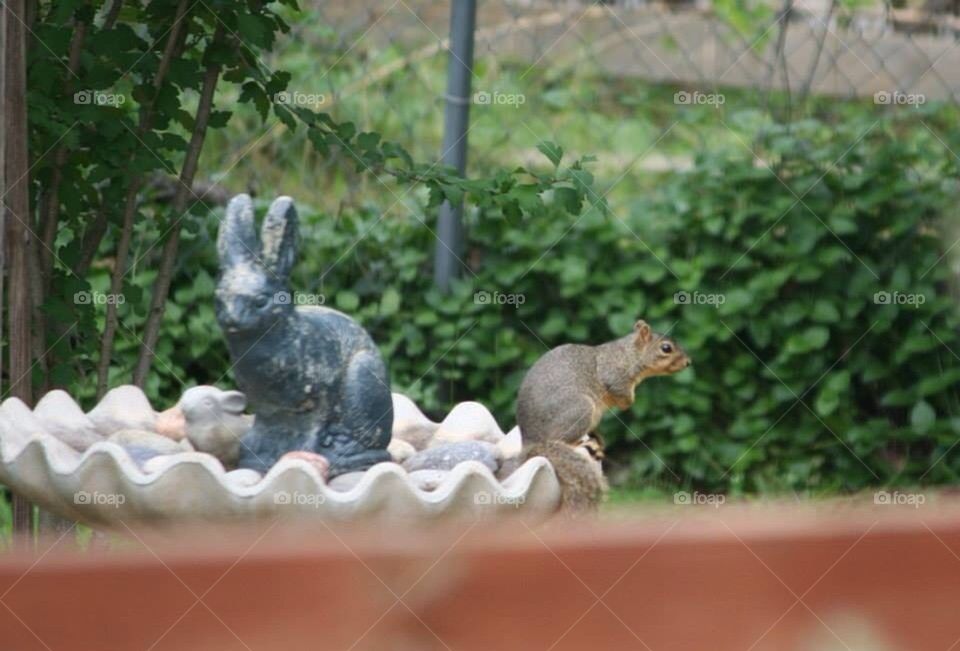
609, 79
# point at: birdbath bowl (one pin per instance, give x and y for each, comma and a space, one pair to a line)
112, 465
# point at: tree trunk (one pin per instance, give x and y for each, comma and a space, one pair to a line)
17, 215
161, 286
3, 184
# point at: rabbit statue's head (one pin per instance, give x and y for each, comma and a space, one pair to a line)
253, 292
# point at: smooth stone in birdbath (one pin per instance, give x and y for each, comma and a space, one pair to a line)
410, 424
172, 424
346, 482
428, 480
511, 445
140, 454
124, 407
469, 421
61, 417
318, 461
400, 450
149, 440
447, 456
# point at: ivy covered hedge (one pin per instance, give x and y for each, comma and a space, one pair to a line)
805, 277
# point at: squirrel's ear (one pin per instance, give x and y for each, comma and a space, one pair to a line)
278, 237
643, 331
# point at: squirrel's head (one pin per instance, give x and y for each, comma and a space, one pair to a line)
661, 355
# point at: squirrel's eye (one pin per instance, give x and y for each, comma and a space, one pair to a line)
667, 348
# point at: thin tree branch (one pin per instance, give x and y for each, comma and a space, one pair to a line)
161, 286
112, 14
90, 243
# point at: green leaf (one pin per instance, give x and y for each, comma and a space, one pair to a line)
923, 416
347, 300
812, 338
552, 151
569, 199
389, 302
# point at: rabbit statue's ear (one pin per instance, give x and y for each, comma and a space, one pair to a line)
279, 237
237, 240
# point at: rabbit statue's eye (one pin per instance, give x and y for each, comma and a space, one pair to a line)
260, 302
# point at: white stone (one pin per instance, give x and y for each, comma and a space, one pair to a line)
469, 421
400, 450
62, 418
511, 445
410, 424
405, 411
125, 407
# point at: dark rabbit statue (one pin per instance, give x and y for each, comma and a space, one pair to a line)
313, 376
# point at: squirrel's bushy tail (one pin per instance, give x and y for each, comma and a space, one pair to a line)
582, 483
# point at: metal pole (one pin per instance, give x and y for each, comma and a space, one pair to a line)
449, 246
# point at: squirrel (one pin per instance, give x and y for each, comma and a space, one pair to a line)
565, 393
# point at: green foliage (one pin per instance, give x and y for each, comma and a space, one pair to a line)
798, 252
122, 119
